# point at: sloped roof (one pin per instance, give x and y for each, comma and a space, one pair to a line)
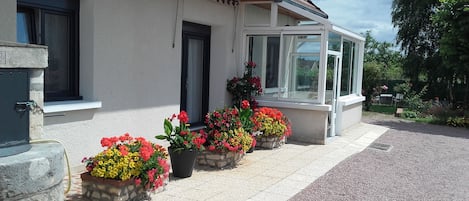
309, 6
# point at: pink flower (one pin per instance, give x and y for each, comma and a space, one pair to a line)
138, 181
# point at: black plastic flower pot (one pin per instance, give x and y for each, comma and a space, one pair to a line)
182, 162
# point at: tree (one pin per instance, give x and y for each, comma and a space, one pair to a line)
417, 36
452, 19
381, 62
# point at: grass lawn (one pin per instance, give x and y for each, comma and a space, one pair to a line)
384, 109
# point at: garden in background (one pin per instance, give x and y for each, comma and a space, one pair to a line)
429, 77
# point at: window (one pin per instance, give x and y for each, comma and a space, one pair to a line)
53, 23
297, 76
300, 78
264, 51
348, 68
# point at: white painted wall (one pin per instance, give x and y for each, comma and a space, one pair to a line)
307, 125
127, 61
8, 20
351, 115
255, 15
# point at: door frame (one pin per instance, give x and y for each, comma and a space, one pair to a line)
202, 32
332, 131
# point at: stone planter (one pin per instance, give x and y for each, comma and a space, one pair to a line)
219, 160
94, 188
270, 142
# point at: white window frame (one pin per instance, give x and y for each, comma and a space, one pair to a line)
317, 30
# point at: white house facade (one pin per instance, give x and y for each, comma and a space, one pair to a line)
118, 66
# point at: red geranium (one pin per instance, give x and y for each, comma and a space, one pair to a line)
246, 87
180, 137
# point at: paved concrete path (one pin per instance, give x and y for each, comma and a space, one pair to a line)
426, 162
275, 174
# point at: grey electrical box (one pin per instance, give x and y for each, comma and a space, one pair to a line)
14, 111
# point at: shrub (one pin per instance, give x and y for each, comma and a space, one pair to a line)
412, 99
457, 122
409, 114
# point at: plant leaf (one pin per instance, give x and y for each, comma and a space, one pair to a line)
161, 137
168, 127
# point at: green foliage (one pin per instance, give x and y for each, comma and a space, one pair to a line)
409, 114
412, 99
416, 35
434, 37
381, 62
457, 122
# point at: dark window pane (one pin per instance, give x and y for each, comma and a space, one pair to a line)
273, 48
23, 27
57, 38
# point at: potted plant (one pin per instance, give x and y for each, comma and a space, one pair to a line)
244, 88
273, 125
184, 144
226, 140
249, 124
126, 170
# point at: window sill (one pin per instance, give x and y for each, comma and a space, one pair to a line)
295, 105
64, 106
350, 100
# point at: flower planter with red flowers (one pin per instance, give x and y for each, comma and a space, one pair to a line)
226, 140
273, 126
127, 169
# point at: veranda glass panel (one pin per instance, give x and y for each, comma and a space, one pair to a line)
264, 51
334, 42
300, 75
348, 68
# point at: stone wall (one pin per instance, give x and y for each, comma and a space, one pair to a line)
38, 173
219, 160
109, 189
34, 58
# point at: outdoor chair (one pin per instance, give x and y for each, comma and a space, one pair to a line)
398, 98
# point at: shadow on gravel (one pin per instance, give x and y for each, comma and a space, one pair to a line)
430, 129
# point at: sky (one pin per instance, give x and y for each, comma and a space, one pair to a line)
360, 16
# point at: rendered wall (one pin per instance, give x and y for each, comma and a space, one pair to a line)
127, 61
351, 115
308, 126
8, 20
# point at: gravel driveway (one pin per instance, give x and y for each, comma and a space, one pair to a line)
425, 162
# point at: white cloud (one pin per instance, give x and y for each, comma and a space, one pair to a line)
360, 16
